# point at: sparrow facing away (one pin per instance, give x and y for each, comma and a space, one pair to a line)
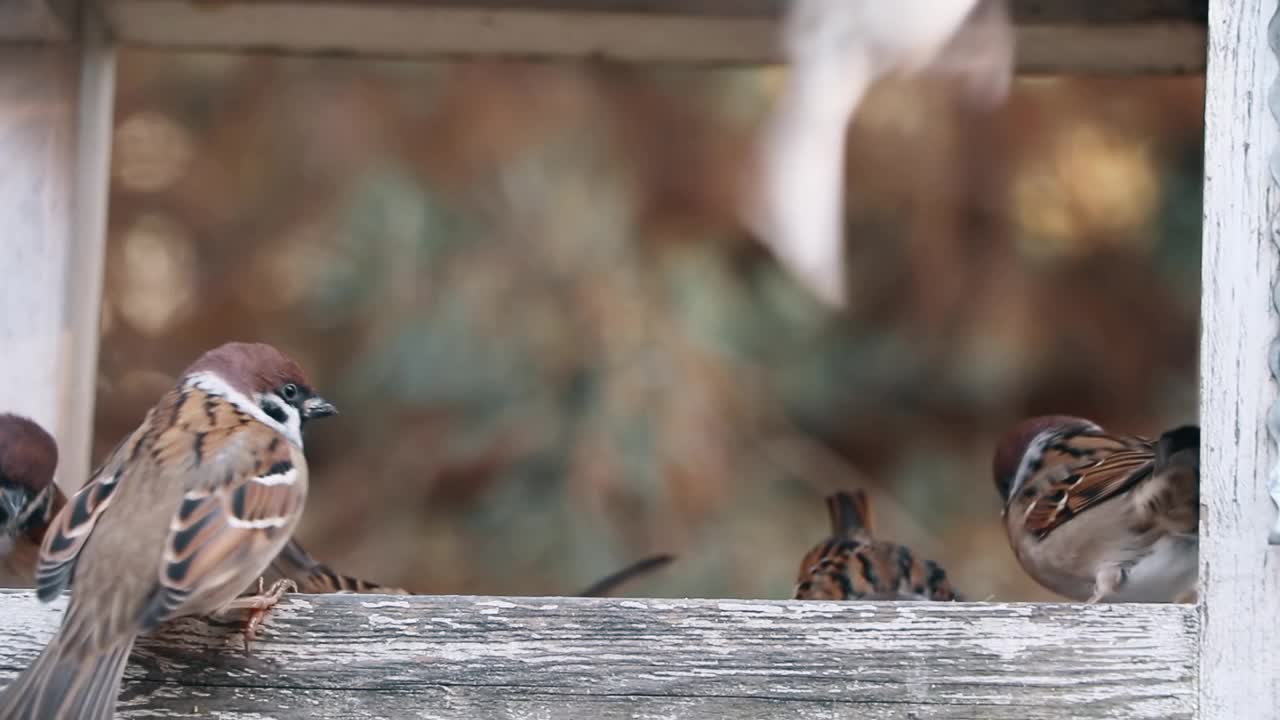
28, 497
1101, 517
179, 520
853, 565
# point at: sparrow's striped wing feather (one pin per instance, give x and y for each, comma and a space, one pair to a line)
1098, 468
68, 531
230, 521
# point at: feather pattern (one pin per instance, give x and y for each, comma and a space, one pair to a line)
1097, 516
853, 565
180, 519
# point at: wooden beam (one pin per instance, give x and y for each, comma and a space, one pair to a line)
342, 656
1136, 36
1240, 587
55, 138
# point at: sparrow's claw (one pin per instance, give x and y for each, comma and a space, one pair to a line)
257, 606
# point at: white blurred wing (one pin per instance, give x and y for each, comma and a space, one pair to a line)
835, 50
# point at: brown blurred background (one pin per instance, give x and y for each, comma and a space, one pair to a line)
556, 349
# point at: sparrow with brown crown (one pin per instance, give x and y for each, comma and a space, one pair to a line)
1101, 517
183, 516
853, 565
28, 497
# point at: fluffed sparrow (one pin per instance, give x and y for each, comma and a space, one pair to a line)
853, 565
1102, 517
28, 497
180, 519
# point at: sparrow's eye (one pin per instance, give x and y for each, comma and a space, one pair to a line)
289, 392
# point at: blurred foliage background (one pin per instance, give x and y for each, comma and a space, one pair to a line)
556, 350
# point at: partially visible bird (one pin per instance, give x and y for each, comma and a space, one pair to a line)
610, 583
853, 565
183, 516
28, 496
836, 50
312, 576
1097, 516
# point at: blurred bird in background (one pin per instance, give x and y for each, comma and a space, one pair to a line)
835, 50
853, 565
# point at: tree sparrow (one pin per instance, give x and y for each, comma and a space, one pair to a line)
179, 520
1102, 517
312, 576
853, 565
28, 497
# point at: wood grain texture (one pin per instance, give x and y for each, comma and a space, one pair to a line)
55, 137
1240, 587
339, 656
1139, 36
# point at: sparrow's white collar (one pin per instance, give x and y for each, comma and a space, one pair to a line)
213, 384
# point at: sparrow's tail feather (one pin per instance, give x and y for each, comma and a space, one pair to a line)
62, 685
608, 584
1171, 497
850, 513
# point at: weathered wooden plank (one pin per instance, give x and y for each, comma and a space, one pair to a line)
55, 127
462, 657
38, 20
1240, 588
1053, 36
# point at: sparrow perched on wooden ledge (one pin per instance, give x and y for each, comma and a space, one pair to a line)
1101, 517
28, 497
312, 576
853, 565
181, 518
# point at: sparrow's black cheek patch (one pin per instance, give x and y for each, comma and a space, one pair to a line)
275, 412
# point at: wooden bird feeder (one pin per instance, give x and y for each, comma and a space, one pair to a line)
466, 657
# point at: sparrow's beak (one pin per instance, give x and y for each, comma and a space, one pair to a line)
317, 407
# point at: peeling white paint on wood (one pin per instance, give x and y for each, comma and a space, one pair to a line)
55, 135
1131, 36
335, 656
1240, 586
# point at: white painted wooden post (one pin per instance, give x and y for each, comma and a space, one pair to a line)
56, 88
1240, 579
